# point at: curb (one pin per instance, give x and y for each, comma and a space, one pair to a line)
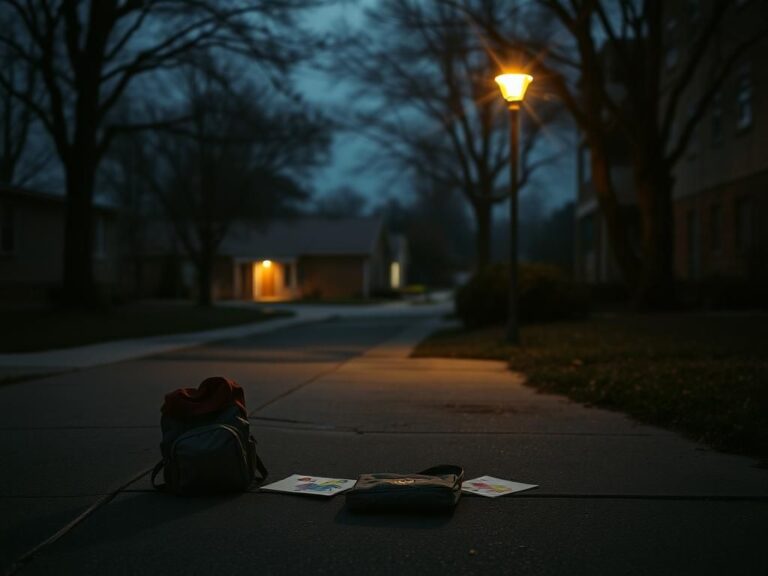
120, 350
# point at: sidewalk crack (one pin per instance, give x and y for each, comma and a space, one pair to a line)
28, 556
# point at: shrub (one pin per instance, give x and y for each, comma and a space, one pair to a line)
545, 294
724, 293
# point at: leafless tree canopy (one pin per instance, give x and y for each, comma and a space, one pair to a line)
606, 62
433, 106
88, 53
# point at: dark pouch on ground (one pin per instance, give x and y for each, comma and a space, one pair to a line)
436, 489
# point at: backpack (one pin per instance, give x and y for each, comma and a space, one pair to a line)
207, 446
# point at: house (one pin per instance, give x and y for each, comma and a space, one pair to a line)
317, 258
32, 243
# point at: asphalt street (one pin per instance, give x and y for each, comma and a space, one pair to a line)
338, 398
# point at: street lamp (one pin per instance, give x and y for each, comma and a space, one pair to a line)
513, 87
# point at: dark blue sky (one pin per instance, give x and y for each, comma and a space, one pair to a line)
553, 186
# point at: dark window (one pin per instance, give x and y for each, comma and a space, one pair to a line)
7, 235
672, 54
744, 99
99, 238
693, 143
693, 244
694, 10
586, 166
588, 233
715, 227
717, 119
743, 224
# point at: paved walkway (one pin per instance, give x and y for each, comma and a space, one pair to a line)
120, 350
341, 397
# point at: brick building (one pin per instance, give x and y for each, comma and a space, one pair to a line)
721, 184
721, 191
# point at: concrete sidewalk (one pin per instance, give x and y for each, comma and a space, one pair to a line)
120, 350
340, 398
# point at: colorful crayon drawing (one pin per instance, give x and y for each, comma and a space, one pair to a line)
498, 488
311, 486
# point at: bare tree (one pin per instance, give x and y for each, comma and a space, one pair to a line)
20, 159
89, 52
647, 110
435, 108
343, 202
241, 156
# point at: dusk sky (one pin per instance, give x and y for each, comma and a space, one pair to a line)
554, 184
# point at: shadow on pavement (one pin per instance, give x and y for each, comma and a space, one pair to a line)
139, 512
393, 520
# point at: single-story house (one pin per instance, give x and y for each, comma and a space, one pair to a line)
310, 257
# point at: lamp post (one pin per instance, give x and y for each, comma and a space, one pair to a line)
513, 87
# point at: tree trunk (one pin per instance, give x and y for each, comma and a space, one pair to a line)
656, 289
618, 230
483, 222
78, 281
205, 280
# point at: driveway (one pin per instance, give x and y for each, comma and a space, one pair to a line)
338, 398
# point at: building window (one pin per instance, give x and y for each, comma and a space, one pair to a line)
715, 228
743, 224
586, 166
394, 275
744, 99
693, 142
717, 118
672, 54
588, 233
693, 244
694, 10
99, 238
7, 233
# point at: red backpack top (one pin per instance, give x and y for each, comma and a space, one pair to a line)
213, 395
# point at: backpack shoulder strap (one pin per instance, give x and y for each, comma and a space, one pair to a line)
256, 461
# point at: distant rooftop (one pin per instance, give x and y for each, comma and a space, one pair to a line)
303, 237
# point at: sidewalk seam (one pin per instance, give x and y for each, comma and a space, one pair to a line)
28, 556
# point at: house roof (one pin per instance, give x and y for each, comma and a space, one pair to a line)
304, 237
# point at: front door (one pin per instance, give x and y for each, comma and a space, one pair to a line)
267, 280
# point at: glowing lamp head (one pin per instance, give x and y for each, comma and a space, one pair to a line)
513, 86
267, 263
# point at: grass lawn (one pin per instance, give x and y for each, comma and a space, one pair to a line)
45, 329
704, 375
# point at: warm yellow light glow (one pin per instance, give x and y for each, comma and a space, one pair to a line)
267, 264
513, 86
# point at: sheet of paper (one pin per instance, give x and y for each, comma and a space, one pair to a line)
491, 487
312, 485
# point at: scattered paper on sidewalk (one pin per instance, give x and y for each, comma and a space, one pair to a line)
313, 485
491, 487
